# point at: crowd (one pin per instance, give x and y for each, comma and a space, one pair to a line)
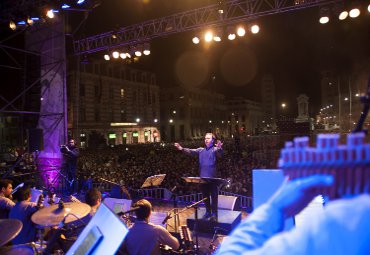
130, 165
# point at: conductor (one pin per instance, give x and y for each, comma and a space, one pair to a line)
207, 164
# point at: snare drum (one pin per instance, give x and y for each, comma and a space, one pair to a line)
21, 249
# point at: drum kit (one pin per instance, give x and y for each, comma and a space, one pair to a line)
47, 217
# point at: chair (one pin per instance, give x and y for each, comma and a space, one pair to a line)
226, 202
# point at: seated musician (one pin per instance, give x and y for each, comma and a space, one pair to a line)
145, 238
93, 198
6, 203
23, 211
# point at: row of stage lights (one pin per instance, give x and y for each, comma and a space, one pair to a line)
133, 53
47, 12
232, 33
341, 12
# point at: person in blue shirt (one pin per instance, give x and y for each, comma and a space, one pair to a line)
207, 164
341, 229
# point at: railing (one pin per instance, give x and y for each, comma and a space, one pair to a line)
244, 202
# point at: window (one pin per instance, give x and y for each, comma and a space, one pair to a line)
82, 89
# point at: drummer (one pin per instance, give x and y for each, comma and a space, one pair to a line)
23, 211
6, 203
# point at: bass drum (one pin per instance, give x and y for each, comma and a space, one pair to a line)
21, 249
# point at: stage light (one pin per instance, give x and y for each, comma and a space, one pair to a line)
146, 52
29, 21
368, 8
231, 37
50, 14
115, 54
107, 57
195, 40
208, 36
218, 34
240, 31
231, 33
255, 29
343, 15
216, 38
324, 15
354, 13
138, 53
123, 55
324, 20
12, 25
65, 6
79, 2
128, 55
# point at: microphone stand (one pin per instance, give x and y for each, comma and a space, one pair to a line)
195, 206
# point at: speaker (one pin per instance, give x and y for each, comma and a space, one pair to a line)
35, 139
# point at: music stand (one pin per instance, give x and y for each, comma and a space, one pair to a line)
217, 181
154, 180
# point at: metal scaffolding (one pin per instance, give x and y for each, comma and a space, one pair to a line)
233, 11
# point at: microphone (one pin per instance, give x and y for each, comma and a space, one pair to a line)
128, 211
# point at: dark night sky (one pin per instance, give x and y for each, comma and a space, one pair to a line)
293, 47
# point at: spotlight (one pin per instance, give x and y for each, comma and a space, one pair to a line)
29, 21
208, 36
146, 49
115, 54
79, 2
240, 31
255, 29
231, 33
354, 13
65, 6
343, 15
217, 38
138, 53
123, 55
50, 14
12, 25
324, 15
128, 55
231, 37
195, 40
368, 8
106, 57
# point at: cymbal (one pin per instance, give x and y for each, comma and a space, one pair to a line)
52, 215
10, 228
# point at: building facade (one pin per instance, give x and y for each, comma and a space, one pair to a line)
117, 102
188, 113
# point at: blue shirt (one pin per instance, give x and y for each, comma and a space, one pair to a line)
207, 159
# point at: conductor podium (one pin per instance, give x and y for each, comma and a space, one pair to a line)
227, 219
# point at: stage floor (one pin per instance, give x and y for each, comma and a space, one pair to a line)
160, 210
204, 239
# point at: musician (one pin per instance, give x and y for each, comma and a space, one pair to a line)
23, 211
341, 229
207, 164
69, 165
93, 198
144, 237
6, 203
